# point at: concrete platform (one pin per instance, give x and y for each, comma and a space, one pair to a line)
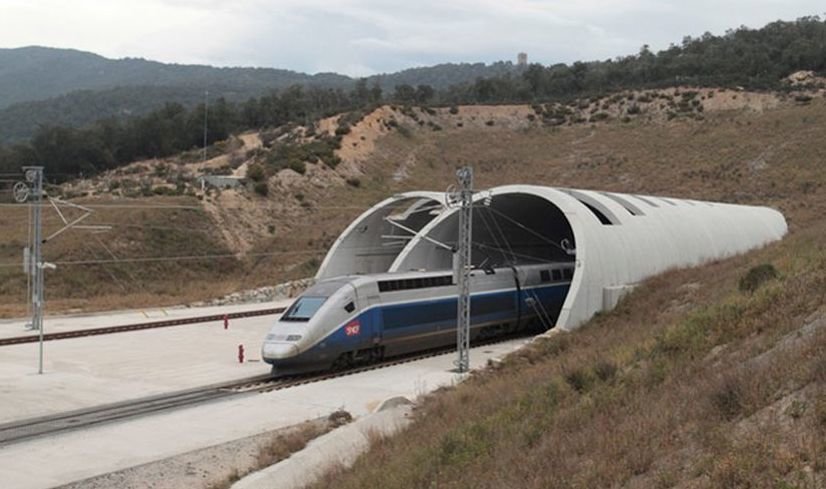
59, 323
89, 371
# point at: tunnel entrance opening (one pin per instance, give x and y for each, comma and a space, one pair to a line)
374, 240
508, 230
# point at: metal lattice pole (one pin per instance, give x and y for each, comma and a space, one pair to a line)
34, 176
463, 248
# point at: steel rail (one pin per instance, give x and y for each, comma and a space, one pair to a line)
78, 333
27, 429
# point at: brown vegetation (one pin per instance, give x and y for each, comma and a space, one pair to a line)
278, 448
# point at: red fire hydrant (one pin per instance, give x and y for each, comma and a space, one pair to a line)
226, 321
240, 353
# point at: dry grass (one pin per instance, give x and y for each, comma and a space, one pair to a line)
279, 448
134, 233
678, 387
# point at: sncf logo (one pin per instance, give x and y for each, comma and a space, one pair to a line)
353, 328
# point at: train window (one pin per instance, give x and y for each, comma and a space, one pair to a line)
544, 275
303, 309
414, 283
569, 273
350, 307
557, 274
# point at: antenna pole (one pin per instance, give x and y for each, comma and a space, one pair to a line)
464, 177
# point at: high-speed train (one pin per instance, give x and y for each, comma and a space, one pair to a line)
361, 318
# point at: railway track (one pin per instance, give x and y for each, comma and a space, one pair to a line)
28, 429
16, 340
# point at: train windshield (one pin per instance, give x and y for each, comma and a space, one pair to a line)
303, 309
306, 306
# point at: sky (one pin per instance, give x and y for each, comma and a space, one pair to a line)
365, 37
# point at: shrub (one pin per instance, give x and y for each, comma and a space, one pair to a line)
268, 138
354, 182
579, 380
633, 109
599, 116
405, 131
256, 173
332, 161
261, 188
756, 277
489, 123
820, 411
339, 418
454, 110
802, 99
605, 370
297, 166
727, 399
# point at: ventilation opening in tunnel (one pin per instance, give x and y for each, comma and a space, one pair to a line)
602, 217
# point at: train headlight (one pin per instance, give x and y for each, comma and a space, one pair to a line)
293, 337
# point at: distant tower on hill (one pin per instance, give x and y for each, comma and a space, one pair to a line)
522, 59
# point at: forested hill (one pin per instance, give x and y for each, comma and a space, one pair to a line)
37, 73
157, 96
46, 86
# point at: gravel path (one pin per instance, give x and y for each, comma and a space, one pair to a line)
205, 468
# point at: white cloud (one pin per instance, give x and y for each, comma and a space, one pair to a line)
365, 36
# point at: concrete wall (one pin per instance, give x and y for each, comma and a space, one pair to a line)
619, 239
368, 245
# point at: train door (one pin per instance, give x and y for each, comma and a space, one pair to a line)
370, 314
374, 312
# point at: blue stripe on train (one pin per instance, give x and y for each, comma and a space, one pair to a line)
425, 324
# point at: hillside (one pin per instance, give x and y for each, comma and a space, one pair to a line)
36, 73
752, 148
64, 87
692, 382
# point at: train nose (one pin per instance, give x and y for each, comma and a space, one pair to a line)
279, 350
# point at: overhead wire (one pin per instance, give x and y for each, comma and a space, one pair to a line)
150, 259
522, 226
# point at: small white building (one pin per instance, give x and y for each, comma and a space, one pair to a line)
220, 181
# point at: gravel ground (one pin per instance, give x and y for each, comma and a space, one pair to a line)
204, 468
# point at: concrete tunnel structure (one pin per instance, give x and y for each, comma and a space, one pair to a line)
616, 240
